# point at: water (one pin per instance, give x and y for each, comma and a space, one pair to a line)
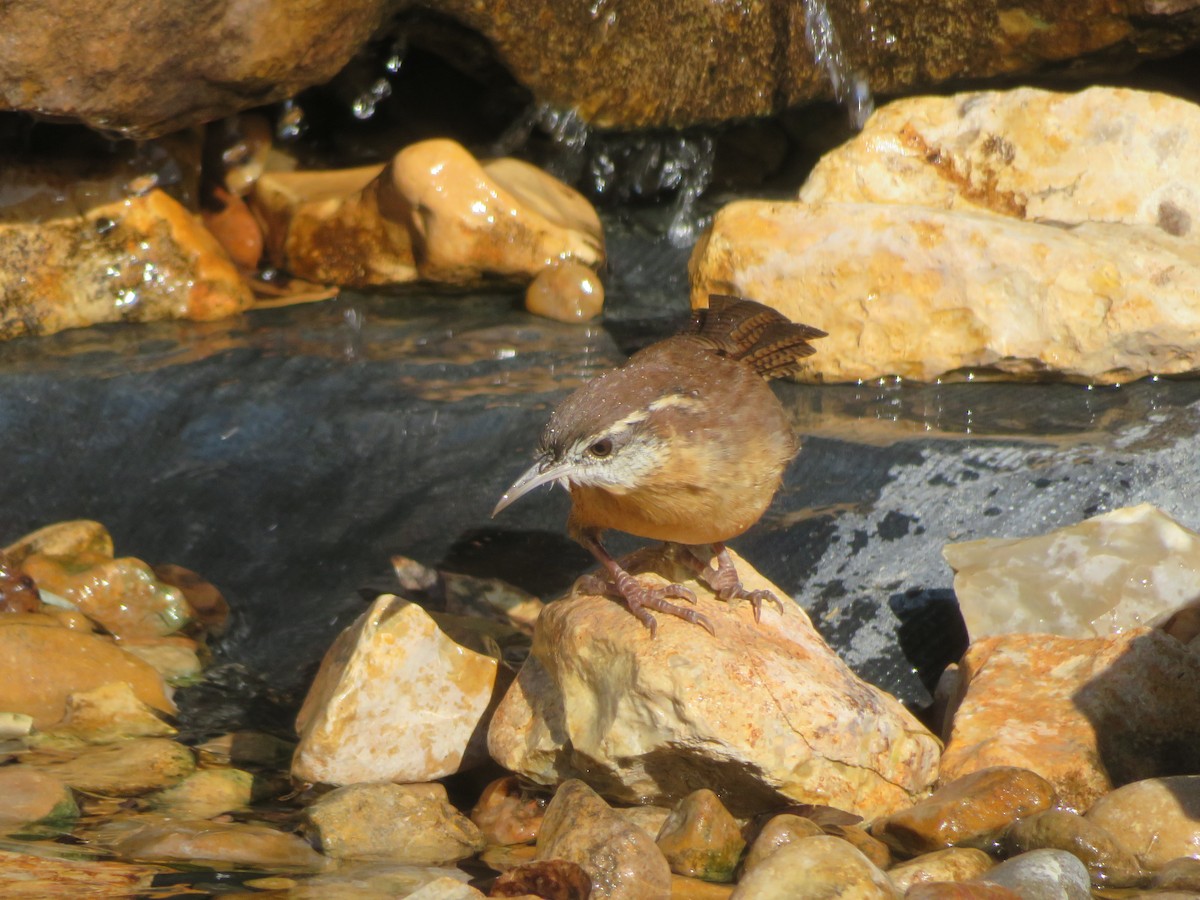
850, 85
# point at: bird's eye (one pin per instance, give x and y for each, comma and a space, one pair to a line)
601, 448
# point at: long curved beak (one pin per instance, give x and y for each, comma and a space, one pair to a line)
541, 472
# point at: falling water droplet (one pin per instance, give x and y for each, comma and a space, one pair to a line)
366, 103
290, 124
395, 59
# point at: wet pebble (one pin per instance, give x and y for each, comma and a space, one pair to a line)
127, 769
207, 793
701, 839
815, 867
779, 831
160, 838
1108, 864
1181, 874
505, 814
1043, 875
960, 890
566, 292
111, 712
31, 796
951, 864
621, 859
1154, 819
858, 837
405, 823
970, 811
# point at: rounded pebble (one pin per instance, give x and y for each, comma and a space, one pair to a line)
567, 292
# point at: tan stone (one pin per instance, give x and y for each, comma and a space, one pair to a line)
813, 868
156, 837
505, 814
46, 664
951, 864
1099, 155
701, 839
779, 831
78, 537
969, 811
1084, 713
1154, 819
139, 259
434, 212
567, 292
1126, 568
207, 793
25, 876
1108, 863
922, 293
125, 769
394, 700
409, 823
109, 713
621, 859
32, 796
759, 712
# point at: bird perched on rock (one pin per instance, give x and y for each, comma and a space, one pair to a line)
685, 442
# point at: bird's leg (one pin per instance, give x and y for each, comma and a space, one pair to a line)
637, 596
725, 583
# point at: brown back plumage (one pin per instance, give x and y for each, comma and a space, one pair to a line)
768, 341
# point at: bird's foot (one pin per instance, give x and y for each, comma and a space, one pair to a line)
640, 598
725, 583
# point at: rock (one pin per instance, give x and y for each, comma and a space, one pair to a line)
111, 712
1108, 864
1181, 874
964, 890
208, 605
446, 888
32, 797
970, 811
138, 259
122, 595
413, 824
127, 769
927, 294
230, 221
78, 537
1003, 152
951, 864
505, 814
353, 880
759, 712
1084, 713
192, 841
26, 876
394, 700
681, 64
812, 868
779, 831
879, 853
1153, 819
684, 888
249, 748
555, 878
1126, 568
15, 725
621, 859
434, 213
173, 71
174, 657
567, 292
18, 593
648, 818
1043, 875
701, 839
43, 665
208, 793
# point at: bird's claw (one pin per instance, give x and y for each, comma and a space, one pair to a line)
640, 598
725, 583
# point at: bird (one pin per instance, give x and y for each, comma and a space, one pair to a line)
684, 443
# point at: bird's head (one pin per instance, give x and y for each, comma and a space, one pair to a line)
594, 440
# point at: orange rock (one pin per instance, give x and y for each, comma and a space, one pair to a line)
43, 665
235, 228
568, 292
139, 259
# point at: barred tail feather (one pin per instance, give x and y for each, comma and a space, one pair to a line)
755, 334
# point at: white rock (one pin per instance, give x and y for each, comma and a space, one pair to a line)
395, 700
1124, 569
759, 712
1099, 155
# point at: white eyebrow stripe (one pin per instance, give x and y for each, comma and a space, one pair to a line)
681, 401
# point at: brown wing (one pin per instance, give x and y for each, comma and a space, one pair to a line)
745, 330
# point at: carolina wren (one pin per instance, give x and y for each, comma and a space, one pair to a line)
685, 443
